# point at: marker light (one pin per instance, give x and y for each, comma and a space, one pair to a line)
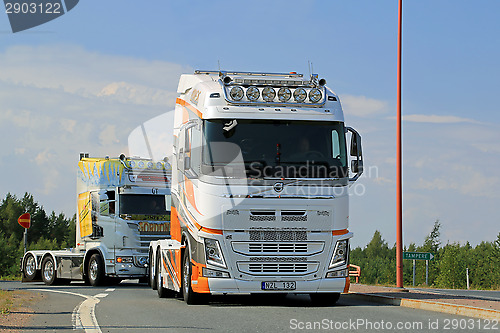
300, 95
268, 94
284, 94
315, 95
150, 165
236, 93
253, 93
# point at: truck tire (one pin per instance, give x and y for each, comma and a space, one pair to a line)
324, 299
49, 271
29, 267
190, 297
95, 270
153, 267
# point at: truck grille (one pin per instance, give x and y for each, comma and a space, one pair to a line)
278, 268
271, 235
277, 247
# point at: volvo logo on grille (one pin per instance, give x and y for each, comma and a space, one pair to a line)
278, 187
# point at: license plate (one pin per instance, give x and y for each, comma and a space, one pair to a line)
278, 285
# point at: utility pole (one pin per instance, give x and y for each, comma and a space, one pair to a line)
399, 187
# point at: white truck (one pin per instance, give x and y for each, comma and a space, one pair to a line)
260, 182
122, 205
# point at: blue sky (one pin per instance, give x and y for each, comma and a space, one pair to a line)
84, 81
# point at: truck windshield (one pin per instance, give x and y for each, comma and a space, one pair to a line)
277, 148
143, 204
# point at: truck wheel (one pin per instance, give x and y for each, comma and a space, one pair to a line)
49, 271
153, 267
29, 267
190, 297
324, 299
95, 270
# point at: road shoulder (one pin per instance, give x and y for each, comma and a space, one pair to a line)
427, 300
17, 309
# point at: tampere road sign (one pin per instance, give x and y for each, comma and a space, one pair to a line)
418, 255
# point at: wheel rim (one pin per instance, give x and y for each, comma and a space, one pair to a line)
30, 266
48, 270
93, 270
186, 276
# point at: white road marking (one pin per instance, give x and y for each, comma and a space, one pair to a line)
83, 316
110, 289
101, 295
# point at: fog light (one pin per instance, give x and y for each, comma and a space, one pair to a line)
212, 273
338, 274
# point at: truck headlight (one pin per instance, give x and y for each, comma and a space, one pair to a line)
300, 95
315, 95
213, 252
339, 257
141, 261
284, 94
236, 93
268, 94
253, 93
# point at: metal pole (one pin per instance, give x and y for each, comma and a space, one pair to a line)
399, 188
414, 272
467, 278
25, 240
427, 272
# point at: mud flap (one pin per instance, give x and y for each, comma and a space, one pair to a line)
170, 264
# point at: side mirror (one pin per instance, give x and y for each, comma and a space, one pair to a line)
356, 153
357, 166
354, 144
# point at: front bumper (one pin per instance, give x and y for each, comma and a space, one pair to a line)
235, 286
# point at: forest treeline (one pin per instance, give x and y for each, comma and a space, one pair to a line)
377, 260
448, 269
48, 231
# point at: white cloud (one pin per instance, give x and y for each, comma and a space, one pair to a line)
58, 101
75, 70
435, 119
363, 106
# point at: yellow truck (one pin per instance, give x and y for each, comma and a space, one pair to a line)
122, 205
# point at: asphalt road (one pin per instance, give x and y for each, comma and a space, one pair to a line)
130, 307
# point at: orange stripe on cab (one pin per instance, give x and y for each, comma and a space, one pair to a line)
185, 104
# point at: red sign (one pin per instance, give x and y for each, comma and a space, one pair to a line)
25, 220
